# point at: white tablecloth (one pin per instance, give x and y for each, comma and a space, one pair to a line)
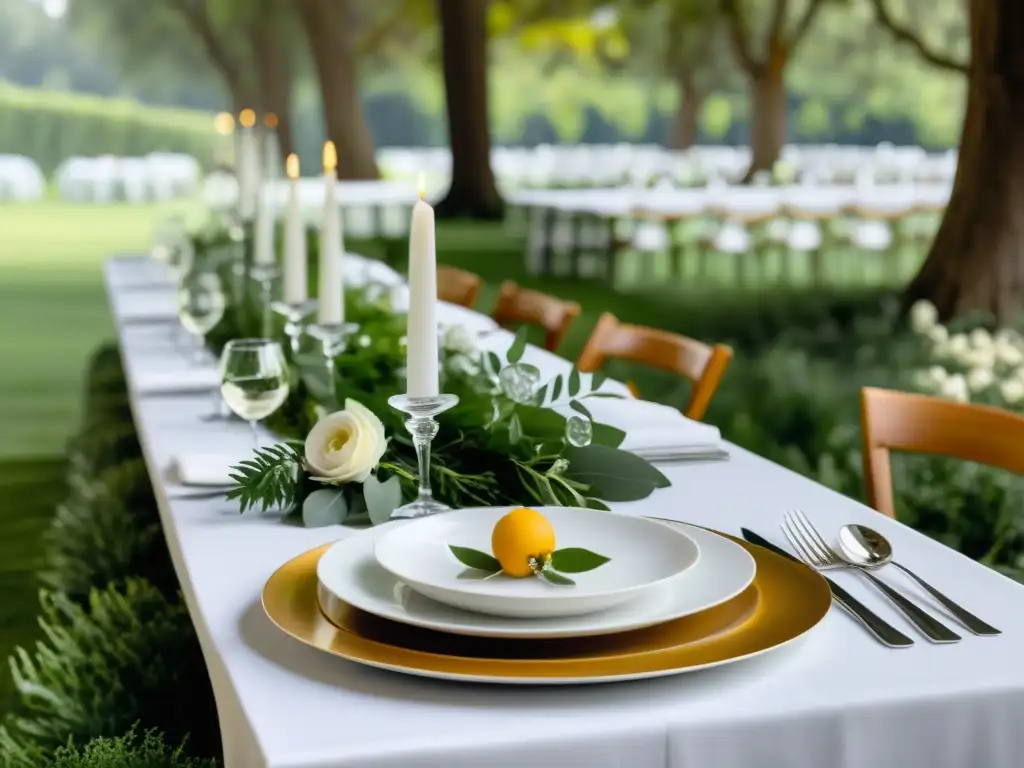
836, 700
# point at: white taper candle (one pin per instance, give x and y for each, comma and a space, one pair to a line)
265, 220
248, 166
421, 332
332, 287
296, 279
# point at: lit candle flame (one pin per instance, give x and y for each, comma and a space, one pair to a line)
270, 120
291, 166
247, 118
330, 157
224, 124
421, 186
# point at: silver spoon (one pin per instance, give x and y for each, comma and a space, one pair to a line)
867, 548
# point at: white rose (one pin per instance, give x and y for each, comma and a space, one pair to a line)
1009, 353
958, 344
344, 447
980, 379
930, 380
459, 341
923, 316
983, 357
981, 339
1012, 390
1006, 336
955, 388
939, 334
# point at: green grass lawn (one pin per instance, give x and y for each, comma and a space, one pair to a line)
54, 312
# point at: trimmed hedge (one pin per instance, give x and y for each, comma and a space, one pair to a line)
128, 751
51, 126
119, 651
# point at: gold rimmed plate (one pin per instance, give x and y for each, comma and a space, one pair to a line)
785, 601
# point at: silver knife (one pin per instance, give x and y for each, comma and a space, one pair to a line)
883, 631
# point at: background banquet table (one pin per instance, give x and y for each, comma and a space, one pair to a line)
835, 699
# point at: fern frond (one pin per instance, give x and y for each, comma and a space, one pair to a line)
269, 479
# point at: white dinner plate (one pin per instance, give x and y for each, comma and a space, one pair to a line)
643, 553
348, 572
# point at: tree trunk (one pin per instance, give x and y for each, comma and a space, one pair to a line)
473, 193
977, 259
330, 27
273, 70
768, 120
684, 130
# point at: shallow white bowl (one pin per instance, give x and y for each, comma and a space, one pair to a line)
348, 574
644, 555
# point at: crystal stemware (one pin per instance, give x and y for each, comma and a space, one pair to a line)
254, 379
201, 305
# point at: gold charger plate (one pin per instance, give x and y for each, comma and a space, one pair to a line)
785, 601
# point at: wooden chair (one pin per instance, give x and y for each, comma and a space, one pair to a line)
701, 364
457, 286
520, 305
920, 424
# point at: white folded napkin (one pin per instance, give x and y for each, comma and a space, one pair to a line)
155, 381
150, 305
652, 430
206, 470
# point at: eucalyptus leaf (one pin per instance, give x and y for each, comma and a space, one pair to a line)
576, 560
577, 406
556, 388
574, 382
597, 379
474, 558
324, 507
381, 498
515, 352
515, 429
606, 435
611, 474
494, 362
553, 577
598, 504
615, 395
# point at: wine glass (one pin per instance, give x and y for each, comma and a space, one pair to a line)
169, 232
201, 305
254, 379
180, 257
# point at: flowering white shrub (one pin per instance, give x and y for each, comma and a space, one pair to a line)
972, 366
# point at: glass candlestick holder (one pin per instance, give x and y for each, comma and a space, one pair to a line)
236, 233
294, 313
423, 427
333, 338
265, 275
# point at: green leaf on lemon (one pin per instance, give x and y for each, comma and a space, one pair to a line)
474, 558
553, 577
576, 560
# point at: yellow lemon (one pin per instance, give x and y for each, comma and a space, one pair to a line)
520, 535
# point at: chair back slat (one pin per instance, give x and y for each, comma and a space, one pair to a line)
901, 421
457, 286
702, 364
520, 305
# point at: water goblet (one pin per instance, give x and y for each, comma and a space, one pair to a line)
254, 379
201, 305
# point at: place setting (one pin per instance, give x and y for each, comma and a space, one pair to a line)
550, 595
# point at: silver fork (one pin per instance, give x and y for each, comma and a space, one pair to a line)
814, 551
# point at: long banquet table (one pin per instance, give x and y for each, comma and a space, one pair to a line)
836, 699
